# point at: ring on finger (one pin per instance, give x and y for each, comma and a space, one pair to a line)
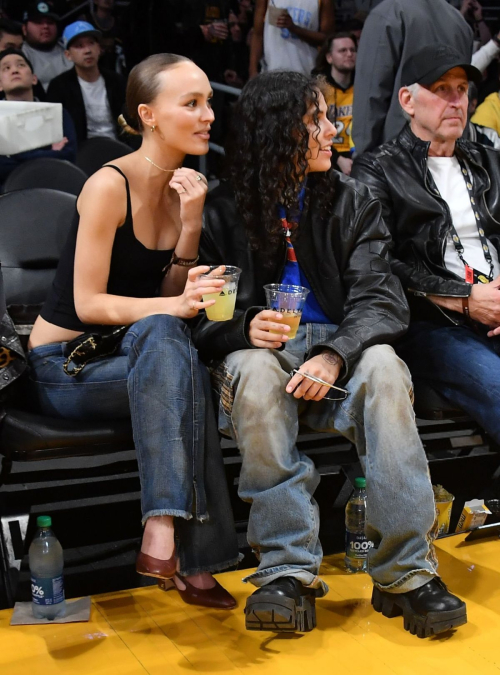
182, 191
199, 176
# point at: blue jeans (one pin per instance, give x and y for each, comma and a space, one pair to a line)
279, 482
156, 379
462, 365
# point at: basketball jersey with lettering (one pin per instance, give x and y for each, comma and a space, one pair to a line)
284, 50
340, 112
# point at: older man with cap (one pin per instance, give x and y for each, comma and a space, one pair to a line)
93, 95
41, 45
441, 200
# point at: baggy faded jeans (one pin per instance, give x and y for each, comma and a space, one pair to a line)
279, 481
155, 378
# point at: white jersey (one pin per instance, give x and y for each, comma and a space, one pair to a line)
284, 50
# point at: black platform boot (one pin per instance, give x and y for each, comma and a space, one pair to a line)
428, 610
283, 606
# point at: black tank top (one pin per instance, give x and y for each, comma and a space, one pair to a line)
135, 271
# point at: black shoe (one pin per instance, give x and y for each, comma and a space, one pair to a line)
428, 610
283, 606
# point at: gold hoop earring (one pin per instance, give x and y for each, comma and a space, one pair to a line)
153, 128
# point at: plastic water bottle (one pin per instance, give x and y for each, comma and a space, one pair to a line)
46, 567
356, 543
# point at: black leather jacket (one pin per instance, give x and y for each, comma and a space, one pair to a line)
343, 255
419, 219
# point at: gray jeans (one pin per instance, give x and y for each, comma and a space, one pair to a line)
279, 481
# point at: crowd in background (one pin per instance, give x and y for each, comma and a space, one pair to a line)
85, 69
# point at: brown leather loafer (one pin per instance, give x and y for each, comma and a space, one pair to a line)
153, 567
216, 597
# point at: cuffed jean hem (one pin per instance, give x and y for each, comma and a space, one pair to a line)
175, 513
410, 581
213, 569
307, 579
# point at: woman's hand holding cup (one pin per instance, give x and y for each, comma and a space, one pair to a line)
191, 301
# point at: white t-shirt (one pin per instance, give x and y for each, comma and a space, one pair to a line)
47, 65
284, 50
450, 182
99, 117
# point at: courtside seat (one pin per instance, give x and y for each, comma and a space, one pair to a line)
35, 224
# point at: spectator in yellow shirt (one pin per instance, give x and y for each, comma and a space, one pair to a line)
488, 113
336, 63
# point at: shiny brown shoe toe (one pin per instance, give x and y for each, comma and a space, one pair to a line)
153, 567
216, 597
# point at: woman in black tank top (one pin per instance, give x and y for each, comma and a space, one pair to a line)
131, 259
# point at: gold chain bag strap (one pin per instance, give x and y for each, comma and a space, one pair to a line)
90, 346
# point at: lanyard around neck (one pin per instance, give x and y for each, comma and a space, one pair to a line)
472, 275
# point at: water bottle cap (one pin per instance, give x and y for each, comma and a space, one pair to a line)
44, 521
360, 482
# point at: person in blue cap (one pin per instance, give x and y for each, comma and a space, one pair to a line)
93, 95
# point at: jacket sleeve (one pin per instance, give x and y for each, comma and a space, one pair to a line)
376, 310
216, 339
416, 277
377, 62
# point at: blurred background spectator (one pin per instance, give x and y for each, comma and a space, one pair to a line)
488, 113
16, 81
101, 15
289, 39
479, 132
93, 95
393, 32
11, 35
336, 63
41, 42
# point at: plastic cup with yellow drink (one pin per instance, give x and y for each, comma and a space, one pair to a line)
289, 301
443, 501
225, 299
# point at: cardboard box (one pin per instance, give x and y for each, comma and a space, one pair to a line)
473, 515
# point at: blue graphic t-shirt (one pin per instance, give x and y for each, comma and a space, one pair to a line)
292, 274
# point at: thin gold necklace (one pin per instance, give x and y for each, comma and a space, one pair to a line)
159, 167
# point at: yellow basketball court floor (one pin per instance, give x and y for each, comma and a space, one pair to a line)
147, 631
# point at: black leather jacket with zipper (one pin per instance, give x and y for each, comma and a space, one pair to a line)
420, 220
343, 254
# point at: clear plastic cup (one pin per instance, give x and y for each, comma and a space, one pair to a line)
289, 301
274, 13
225, 299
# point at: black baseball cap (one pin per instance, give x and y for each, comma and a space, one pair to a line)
40, 10
17, 52
429, 63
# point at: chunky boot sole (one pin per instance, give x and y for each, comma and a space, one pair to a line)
395, 604
280, 614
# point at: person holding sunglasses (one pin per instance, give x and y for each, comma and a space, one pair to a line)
285, 217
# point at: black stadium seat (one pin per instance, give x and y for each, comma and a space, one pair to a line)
34, 228
95, 152
46, 172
